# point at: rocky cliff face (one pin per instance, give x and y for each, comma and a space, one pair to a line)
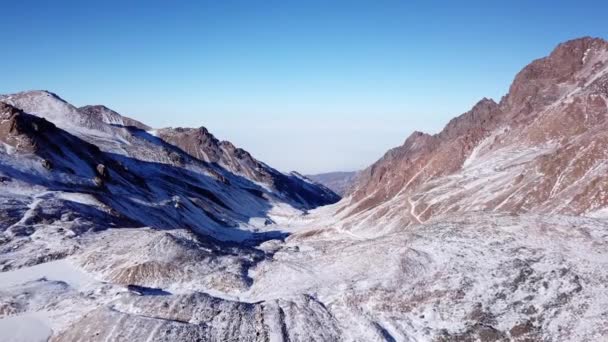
201, 144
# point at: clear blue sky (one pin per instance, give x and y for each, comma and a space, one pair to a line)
307, 85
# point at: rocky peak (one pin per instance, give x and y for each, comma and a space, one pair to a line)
544, 142
423, 156
40, 96
197, 142
416, 142
545, 80
484, 116
47, 105
44, 94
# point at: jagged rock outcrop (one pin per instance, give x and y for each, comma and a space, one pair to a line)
200, 317
29, 134
423, 156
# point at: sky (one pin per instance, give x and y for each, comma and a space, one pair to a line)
312, 86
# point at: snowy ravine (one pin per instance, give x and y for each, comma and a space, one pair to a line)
478, 277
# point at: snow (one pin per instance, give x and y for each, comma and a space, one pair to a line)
585, 55
38, 325
371, 281
61, 270
25, 328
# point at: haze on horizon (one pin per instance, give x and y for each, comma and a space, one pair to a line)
308, 86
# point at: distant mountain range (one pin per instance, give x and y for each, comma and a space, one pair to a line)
338, 182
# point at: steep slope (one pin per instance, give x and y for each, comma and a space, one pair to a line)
338, 182
541, 149
201, 144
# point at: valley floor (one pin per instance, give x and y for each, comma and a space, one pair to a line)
475, 277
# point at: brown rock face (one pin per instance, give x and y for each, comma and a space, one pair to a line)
542, 148
543, 81
19, 130
423, 157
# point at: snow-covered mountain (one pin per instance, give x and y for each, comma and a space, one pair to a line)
542, 148
494, 229
56, 153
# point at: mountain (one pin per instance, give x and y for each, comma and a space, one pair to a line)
94, 160
541, 149
494, 229
90, 122
338, 182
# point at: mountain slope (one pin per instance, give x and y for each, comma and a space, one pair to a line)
541, 149
89, 172
118, 134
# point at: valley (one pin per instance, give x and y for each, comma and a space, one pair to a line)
494, 229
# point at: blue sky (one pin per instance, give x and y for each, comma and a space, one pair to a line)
304, 85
